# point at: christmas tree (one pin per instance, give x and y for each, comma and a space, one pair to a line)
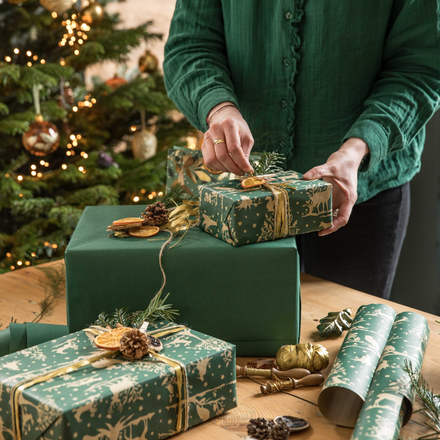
63, 145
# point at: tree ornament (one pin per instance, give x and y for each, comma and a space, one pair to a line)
93, 13
308, 356
116, 82
335, 323
42, 137
68, 95
155, 215
134, 344
144, 143
104, 160
58, 6
148, 62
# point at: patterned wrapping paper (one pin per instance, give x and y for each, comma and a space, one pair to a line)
368, 369
185, 167
239, 216
116, 398
389, 402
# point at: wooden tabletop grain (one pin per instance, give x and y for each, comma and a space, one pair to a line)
20, 292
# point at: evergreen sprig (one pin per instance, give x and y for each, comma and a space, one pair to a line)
268, 163
157, 309
430, 401
174, 197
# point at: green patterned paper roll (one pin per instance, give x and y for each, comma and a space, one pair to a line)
347, 384
389, 402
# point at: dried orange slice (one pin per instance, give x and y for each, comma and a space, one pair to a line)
251, 182
128, 221
144, 231
110, 340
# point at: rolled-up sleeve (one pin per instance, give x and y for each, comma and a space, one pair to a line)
406, 92
196, 69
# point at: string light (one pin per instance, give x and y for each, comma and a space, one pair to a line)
8, 59
20, 178
75, 108
64, 166
33, 167
133, 128
29, 64
84, 155
7, 176
16, 51
12, 267
33, 254
46, 243
78, 136
54, 246
29, 53
39, 175
42, 61
54, 15
19, 263
62, 62
41, 162
136, 199
75, 33
20, 195
27, 263
160, 194
154, 194
46, 164
143, 191
34, 173
8, 254
150, 196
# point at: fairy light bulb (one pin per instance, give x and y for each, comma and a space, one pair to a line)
136, 199
43, 61
34, 173
16, 51
29, 53
39, 175
54, 14
41, 162
35, 57
29, 64
62, 62
64, 166
19, 263
78, 136
75, 108
8, 59
20, 178
81, 169
8, 254
34, 254
33, 167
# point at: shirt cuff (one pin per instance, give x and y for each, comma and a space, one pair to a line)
375, 136
210, 100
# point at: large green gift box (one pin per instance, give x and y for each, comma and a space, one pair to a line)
248, 296
116, 398
242, 216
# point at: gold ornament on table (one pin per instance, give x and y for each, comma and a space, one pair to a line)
42, 137
58, 6
93, 13
308, 356
148, 62
144, 143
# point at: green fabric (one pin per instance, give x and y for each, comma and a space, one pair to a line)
239, 216
307, 75
219, 290
116, 398
20, 336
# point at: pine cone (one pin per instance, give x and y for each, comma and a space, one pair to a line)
260, 428
134, 344
280, 431
155, 215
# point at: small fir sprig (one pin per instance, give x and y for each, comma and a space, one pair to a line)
157, 309
268, 163
430, 401
174, 197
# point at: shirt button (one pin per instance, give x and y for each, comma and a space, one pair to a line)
288, 15
286, 62
284, 103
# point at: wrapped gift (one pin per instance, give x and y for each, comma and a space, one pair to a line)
114, 397
286, 206
219, 290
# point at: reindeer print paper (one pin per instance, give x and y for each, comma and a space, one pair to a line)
389, 402
367, 386
114, 398
239, 216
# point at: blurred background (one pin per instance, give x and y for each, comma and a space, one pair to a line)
47, 193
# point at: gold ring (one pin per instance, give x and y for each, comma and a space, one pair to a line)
219, 141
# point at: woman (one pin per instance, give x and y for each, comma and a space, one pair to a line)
342, 88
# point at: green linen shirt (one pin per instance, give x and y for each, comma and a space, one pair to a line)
309, 74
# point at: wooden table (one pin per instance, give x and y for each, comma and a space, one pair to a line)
20, 293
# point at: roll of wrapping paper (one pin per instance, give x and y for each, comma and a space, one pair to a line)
390, 400
347, 384
20, 336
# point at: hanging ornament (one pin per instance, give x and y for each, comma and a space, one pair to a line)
58, 6
144, 142
116, 82
148, 62
93, 13
105, 161
42, 137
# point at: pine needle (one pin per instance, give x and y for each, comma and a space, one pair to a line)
268, 163
157, 309
174, 197
430, 401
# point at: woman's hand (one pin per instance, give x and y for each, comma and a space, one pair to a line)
341, 170
232, 155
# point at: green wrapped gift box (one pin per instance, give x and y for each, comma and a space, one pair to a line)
242, 216
116, 398
220, 290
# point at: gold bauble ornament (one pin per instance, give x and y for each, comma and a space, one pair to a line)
58, 6
148, 62
308, 356
93, 13
42, 137
144, 145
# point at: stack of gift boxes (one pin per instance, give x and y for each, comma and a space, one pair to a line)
231, 278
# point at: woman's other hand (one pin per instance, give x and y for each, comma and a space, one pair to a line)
341, 170
232, 155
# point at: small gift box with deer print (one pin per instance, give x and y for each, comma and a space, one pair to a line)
115, 398
286, 205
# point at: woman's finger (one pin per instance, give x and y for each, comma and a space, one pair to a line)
235, 150
209, 155
341, 220
221, 150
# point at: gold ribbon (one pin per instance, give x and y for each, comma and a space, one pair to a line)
179, 368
